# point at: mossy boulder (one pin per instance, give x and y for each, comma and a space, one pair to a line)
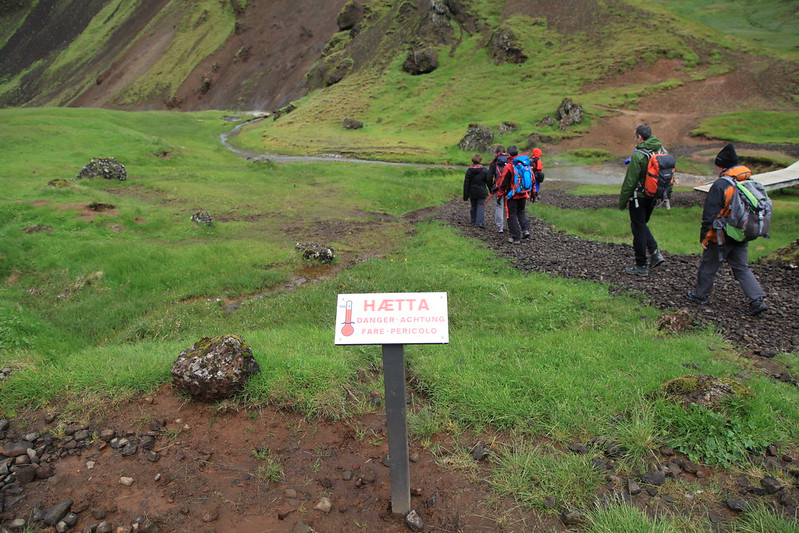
422, 60
478, 138
214, 368
705, 390
786, 257
104, 167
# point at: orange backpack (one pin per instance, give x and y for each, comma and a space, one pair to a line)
659, 176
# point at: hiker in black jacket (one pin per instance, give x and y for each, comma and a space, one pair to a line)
476, 184
717, 247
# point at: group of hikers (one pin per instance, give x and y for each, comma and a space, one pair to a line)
513, 179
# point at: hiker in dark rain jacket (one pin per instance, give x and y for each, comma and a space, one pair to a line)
476, 185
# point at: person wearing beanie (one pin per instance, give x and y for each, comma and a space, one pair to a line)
727, 157
641, 207
715, 243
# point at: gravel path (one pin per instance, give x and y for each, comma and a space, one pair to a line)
557, 253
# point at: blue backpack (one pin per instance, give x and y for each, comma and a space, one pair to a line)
524, 173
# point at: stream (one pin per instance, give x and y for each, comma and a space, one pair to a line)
610, 173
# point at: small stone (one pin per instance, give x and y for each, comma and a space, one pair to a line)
771, 484
17, 524
657, 477
127, 481
668, 451
324, 505
737, 504
414, 521
572, 518
579, 448
479, 451
55, 513
633, 488
210, 515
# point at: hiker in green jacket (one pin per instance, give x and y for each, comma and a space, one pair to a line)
632, 198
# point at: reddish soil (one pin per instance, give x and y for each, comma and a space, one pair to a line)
211, 474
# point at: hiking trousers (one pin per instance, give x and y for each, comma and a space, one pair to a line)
477, 212
499, 214
737, 256
517, 217
643, 241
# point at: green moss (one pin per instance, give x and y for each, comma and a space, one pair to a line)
704, 388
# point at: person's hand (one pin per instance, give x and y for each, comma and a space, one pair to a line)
704, 245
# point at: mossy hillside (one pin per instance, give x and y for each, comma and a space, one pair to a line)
201, 28
198, 29
419, 118
12, 14
83, 49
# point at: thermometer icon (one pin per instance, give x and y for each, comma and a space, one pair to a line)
348, 330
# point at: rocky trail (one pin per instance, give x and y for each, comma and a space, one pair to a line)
557, 253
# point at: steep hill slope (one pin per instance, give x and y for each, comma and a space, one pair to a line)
624, 60
162, 53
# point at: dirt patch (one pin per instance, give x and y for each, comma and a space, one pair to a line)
227, 470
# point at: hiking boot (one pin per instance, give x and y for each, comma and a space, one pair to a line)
656, 259
514, 241
637, 270
694, 299
756, 307
526, 235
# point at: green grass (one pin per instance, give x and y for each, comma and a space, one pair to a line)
768, 23
100, 307
620, 517
760, 127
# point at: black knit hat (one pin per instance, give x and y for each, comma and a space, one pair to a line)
727, 157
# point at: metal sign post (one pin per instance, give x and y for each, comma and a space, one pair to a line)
397, 421
393, 320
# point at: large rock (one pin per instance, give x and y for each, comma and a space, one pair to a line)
350, 15
104, 167
569, 113
478, 138
313, 251
214, 368
202, 218
505, 47
705, 390
421, 61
